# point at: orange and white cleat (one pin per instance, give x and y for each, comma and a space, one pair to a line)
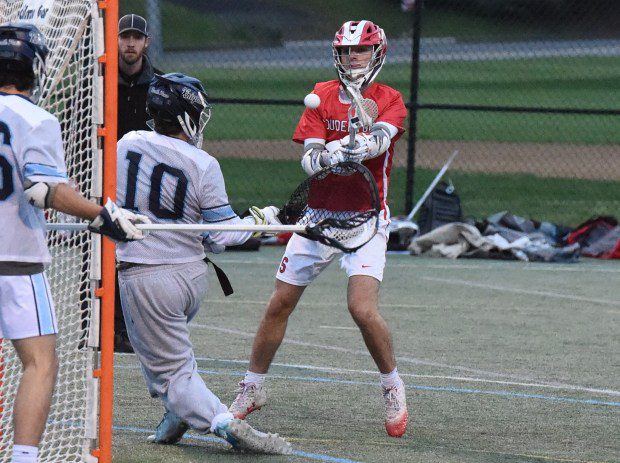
396, 414
250, 397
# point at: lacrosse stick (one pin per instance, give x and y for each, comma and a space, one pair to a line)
405, 227
338, 206
362, 113
431, 186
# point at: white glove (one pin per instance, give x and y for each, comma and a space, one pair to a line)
265, 216
329, 158
210, 245
118, 224
367, 145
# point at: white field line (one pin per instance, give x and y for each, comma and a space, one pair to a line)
340, 304
400, 359
411, 375
346, 328
382, 305
521, 291
459, 266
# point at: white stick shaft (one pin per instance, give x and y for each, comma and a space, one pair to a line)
191, 227
431, 186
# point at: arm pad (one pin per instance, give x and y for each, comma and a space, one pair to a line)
40, 194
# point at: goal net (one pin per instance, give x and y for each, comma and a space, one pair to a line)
73, 92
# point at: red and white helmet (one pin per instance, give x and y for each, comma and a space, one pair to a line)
359, 33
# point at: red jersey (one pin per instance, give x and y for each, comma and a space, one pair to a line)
330, 121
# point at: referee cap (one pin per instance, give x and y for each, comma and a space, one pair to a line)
132, 22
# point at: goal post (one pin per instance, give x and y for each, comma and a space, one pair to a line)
81, 91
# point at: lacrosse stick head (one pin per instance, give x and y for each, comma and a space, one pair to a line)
339, 206
359, 70
368, 113
362, 113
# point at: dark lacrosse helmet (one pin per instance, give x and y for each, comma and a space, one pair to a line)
180, 99
23, 47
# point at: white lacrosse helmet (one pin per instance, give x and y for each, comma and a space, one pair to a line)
359, 33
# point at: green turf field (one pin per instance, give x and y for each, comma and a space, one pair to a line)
565, 201
505, 362
559, 82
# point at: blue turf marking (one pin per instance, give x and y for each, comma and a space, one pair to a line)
318, 456
459, 390
217, 440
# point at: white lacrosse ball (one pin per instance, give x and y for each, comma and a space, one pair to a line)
312, 101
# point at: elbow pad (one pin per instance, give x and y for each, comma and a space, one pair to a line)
40, 194
380, 141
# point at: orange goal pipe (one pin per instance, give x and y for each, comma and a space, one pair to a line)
109, 132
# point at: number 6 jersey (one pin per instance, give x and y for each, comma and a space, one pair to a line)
30, 149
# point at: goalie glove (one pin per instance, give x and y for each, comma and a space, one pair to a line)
367, 145
118, 224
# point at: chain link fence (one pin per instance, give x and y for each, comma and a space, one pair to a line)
525, 89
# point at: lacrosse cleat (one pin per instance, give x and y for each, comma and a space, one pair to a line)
169, 431
396, 413
250, 397
245, 438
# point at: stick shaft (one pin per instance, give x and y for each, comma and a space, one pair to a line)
190, 227
432, 185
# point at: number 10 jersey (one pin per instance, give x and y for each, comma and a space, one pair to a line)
173, 182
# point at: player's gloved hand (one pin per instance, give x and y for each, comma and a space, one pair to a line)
265, 216
118, 223
331, 157
210, 245
365, 147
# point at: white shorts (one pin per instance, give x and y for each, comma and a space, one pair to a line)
26, 307
305, 259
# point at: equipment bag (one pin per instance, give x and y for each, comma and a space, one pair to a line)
441, 207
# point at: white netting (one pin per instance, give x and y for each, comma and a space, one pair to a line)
71, 93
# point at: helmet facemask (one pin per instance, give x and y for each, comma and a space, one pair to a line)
40, 78
193, 132
360, 77
363, 34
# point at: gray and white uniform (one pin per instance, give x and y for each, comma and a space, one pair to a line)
162, 278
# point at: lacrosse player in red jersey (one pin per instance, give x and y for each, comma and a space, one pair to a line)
359, 49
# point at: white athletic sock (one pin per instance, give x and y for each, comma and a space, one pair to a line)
256, 378
24, 454
391, 379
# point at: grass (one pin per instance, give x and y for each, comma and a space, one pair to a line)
563, 201
559, 82
186, 25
